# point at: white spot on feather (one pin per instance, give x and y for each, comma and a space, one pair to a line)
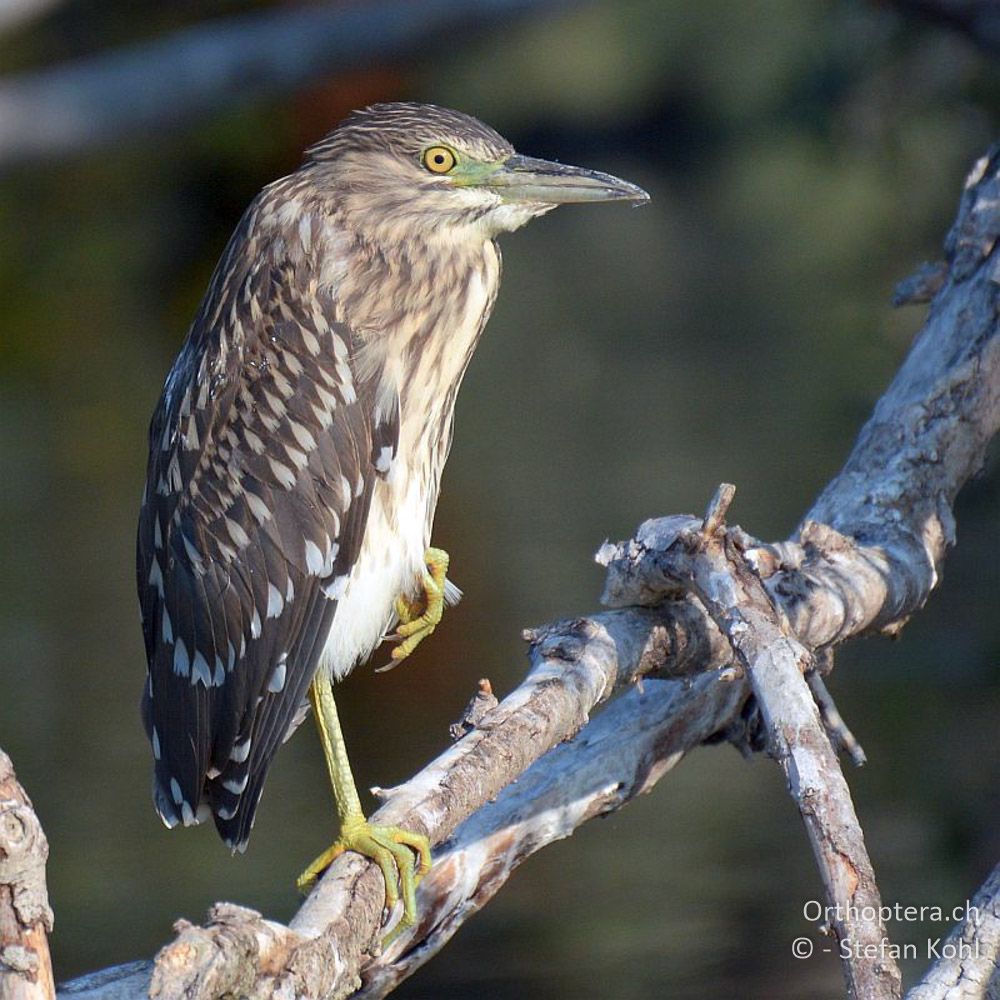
258, 508
255, 625
237, 787
281, 384
312, 344
299, 458
275, 604
200, 670
302, 435
314, 558
329, 560
175, 792
276, 403
182, 666
282, 473
327, 398
255, 444
194, 556
167, 627
191, 439
240, 751
277, 681
240, 538
156, 577
156, 744
174, 472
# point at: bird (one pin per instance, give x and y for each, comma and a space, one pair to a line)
296, 453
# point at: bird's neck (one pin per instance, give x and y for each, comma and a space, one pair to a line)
418, 308
416, 303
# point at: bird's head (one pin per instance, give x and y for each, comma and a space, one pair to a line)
401, 170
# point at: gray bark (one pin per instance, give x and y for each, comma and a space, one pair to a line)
25, 917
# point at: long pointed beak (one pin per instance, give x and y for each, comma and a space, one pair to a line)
522, 178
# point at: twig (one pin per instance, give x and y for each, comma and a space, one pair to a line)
840, 735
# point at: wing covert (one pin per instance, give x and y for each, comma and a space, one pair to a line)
259, 484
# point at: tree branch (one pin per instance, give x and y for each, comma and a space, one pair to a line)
25, 917
706, 558
969, 966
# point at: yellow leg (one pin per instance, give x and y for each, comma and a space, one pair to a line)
418, 619
390, 847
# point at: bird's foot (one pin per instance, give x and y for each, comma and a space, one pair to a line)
403, 856
418, 618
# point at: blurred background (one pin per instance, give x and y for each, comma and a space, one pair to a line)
802, 155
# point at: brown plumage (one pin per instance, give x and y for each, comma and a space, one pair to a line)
297, 449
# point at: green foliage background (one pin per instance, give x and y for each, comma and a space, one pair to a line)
803, 156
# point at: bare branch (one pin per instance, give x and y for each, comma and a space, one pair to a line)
706, 558
840, 736
229, 61
969, 966
25, 917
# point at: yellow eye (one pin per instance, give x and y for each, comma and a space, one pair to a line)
439, 159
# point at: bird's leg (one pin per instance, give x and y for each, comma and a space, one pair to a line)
417, 619
390, 847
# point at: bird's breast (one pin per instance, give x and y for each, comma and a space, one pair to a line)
389, 563
427, 367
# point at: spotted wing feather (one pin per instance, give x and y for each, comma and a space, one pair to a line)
258, 490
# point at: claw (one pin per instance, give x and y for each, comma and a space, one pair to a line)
419, 617
404, 858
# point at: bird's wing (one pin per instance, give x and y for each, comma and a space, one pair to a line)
262, 464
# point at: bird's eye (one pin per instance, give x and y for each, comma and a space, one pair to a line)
439, 159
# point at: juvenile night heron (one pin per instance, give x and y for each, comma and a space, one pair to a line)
297, 449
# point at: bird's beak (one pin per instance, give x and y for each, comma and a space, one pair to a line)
524, 179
